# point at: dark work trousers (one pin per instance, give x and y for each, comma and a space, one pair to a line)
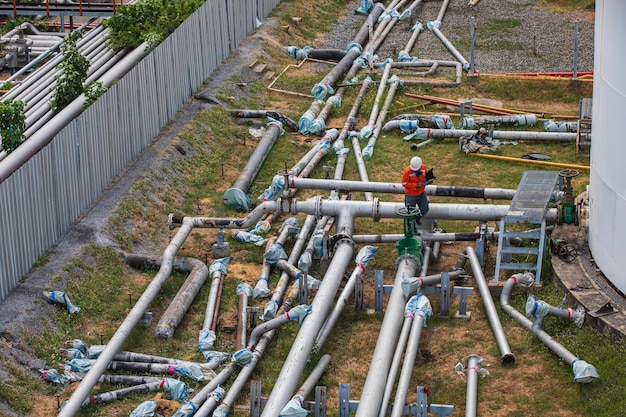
420, 201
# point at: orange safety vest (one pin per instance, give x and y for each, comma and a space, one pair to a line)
410, 181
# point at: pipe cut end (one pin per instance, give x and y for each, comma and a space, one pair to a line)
508, 359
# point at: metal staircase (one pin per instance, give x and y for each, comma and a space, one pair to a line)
525, 220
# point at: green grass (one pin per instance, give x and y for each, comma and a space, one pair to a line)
217, 149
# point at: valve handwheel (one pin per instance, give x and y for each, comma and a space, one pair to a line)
567, 253
568, 173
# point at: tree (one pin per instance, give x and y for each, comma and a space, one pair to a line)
12, 124
72, 73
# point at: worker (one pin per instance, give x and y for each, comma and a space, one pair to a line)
414, 182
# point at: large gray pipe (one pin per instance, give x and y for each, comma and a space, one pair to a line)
506, 356
427, 237
371, 209
236, 195
397, 188
198, 273
374, 387
136, 313
498, 134
346, 62
583, 371
303, 344
42, 137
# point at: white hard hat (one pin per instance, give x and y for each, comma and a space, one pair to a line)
416, 163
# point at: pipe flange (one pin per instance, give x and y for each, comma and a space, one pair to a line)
318, 207
376, 209
409, 257
340, 238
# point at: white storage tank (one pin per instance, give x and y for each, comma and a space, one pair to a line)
607, 184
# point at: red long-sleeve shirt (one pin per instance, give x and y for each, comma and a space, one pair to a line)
414, 184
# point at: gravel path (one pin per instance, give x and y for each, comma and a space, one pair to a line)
522, 23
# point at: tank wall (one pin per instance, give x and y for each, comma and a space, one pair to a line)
607, 186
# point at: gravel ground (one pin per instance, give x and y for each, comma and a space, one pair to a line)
554, 40
551, 33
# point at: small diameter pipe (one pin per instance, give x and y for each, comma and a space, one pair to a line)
434, 27
129, 323
396, 188
533, 162
244, 292
382, 85
395, 363
236, 195
434, 66
507, 357
303, 345
354, 110
471, 396
442, 10
283, 281
540, 309
428, 250
583, 371
309, 383
394, 82
373, 389
362, 260
207, 333
238, 384
358, 155
422, 312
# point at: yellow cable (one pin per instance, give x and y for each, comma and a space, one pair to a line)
531, 161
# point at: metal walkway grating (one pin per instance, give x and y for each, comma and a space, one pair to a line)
533, 194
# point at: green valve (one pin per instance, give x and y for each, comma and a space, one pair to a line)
409, 244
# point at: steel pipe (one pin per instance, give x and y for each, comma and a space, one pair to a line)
434, 28
129, 323
506, 356
42, 137
395, 363
236, 195
423, 312
583, 371
373, 389
396, 188
471, 396
360, 162
303, 344
198, 272
319, 90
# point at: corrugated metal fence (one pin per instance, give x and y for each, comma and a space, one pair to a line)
47, 194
